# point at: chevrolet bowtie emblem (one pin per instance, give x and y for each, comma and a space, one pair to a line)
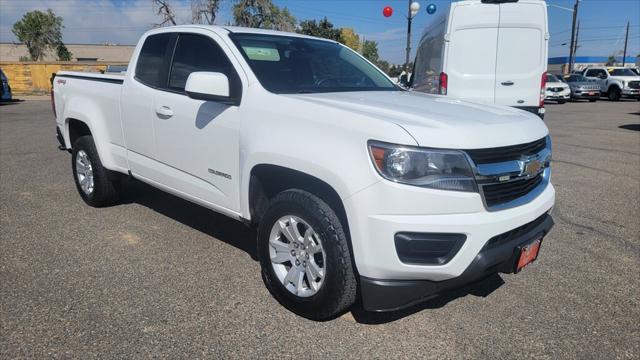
530, 167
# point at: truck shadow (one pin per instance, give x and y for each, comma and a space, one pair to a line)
195, 216
482, 288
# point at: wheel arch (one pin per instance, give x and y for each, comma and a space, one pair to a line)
267, 180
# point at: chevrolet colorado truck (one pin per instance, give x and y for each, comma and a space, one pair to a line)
358, 189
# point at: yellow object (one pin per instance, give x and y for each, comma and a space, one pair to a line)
34, 78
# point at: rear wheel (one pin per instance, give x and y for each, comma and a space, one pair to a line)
304, 255
593, 100
614, 94
561, 102
96, 185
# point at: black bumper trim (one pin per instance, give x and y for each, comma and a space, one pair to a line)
391, 295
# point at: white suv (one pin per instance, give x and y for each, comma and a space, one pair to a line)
556, 90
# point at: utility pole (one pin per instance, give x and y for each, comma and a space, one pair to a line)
575, 46
626, 38
573, 36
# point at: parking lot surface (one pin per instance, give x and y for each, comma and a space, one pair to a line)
159, 277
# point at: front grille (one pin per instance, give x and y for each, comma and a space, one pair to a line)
515, 233
634, 84
506, 153
496, 194
558, 89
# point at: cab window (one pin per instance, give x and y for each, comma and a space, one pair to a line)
196, 53
150, 66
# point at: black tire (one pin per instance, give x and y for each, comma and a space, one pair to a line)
561, 102
338, 290
614, 94
106, 183
593, 100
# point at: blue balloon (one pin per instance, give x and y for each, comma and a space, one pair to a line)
431, 8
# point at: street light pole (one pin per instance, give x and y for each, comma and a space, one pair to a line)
414, 7
406, 61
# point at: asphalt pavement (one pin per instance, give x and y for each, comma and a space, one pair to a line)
157, 276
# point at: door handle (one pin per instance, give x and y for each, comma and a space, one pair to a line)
507, 83
164, 111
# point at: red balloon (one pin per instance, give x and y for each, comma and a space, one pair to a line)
387, 11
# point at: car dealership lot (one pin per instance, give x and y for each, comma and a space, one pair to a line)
158, 276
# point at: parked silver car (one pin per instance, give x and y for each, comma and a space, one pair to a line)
582, 88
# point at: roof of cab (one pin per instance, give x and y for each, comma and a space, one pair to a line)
239, 30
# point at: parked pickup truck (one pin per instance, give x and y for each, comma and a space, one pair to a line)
356, 187
615, 82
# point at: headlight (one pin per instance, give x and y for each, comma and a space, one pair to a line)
431, 168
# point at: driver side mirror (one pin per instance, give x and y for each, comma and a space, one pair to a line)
404, 80
210, 86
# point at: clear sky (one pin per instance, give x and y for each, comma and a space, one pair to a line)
602, 22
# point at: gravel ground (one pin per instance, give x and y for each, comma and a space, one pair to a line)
160, 277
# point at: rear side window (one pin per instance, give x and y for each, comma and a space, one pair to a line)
150, 66
197, 53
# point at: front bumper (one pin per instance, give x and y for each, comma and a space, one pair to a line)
585, 94
379, 212
564, 95
631, 93
498, 255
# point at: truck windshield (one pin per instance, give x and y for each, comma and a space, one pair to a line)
622, 72
290, 65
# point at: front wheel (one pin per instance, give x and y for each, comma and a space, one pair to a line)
593, 100
304, 255
96, 184
614, 94
561, 102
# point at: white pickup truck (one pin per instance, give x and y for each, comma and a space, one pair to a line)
358, 188
615, 82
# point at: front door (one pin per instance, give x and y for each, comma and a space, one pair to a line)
598, 75
197, 142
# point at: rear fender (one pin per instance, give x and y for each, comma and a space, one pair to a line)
84, 109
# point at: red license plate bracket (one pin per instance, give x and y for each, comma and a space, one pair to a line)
528, 254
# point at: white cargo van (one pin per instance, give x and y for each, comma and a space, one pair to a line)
490, 51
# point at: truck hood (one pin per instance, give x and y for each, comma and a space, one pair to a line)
556, 84
625, 78
438, 121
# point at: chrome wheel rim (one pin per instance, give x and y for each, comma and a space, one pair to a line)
84, 172
297, 256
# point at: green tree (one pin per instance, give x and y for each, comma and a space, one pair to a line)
323, 28
63, 53
263, 14
370, 51
350, 38
611, 61
39, 31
